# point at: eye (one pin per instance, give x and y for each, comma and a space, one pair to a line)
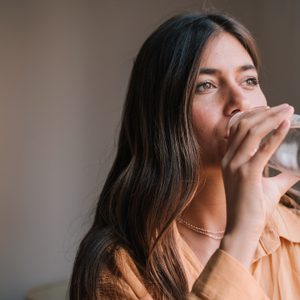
251, 81
204, 87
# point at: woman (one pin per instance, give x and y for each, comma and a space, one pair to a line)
186, 212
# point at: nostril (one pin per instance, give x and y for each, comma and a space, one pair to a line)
235, 112
233, 119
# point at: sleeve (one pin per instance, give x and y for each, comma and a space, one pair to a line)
224, 277
110, 287
121, 280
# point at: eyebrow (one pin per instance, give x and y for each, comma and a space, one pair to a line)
212, 71
247, 67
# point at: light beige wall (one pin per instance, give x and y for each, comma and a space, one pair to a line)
64, 71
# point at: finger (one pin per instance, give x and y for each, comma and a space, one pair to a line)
239, 130
249, 120
240, 127
234, 120
284, 181
256, 129
270, 144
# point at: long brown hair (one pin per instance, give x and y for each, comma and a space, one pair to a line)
156, 169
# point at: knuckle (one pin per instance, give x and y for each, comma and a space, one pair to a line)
224, 163
253, 131
243, 124
231, 167
243, 171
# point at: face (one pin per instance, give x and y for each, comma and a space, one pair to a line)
227, 83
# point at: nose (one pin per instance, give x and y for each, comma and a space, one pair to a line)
236, 100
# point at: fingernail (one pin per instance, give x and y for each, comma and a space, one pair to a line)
283, 106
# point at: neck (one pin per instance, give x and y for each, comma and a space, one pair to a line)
208, 207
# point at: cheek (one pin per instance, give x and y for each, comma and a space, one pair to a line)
208, 136
203, 123
259, 99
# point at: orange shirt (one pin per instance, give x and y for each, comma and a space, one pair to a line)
274, 272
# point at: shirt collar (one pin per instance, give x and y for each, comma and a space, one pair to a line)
284, 224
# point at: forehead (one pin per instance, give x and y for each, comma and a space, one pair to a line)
224, 50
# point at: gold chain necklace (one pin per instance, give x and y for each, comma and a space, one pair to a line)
217, 235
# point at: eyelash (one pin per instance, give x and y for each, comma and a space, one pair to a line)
202, 85
254, 81
251, 81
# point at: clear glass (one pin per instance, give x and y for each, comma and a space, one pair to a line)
287, 156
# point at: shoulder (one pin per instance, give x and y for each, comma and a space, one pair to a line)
119, 278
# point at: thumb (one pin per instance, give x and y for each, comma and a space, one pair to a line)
285, 181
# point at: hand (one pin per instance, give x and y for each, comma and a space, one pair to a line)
251, 198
